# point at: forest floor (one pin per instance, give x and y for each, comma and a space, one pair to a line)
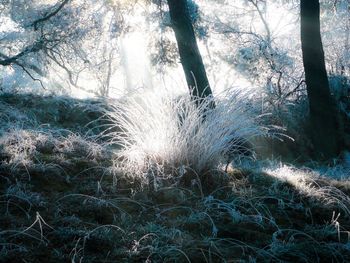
63, 199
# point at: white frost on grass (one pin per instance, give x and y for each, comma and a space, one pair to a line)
310, 183
158, 129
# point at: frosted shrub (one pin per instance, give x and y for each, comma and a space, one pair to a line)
19, 146
164, 131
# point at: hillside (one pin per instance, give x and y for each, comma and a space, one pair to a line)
64, 198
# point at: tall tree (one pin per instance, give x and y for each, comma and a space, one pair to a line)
323, 113
190, 56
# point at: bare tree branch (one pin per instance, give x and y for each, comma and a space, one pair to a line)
30, 74
48, 15
37, 46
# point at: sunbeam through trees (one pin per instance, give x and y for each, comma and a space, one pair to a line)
174, 131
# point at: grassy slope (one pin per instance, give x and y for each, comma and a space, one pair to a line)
63, 199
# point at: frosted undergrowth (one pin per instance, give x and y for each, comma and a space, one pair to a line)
165, 131
310, 183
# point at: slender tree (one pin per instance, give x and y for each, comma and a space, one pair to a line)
190, 56
323, 113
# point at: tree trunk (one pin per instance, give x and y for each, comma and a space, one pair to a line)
190, 56
323, 113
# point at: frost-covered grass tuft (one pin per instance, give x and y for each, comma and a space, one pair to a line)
165, 131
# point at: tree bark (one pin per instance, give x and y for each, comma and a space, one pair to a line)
323, 113
190, 56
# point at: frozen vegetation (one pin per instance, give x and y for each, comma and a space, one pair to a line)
71, 192
174, 131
